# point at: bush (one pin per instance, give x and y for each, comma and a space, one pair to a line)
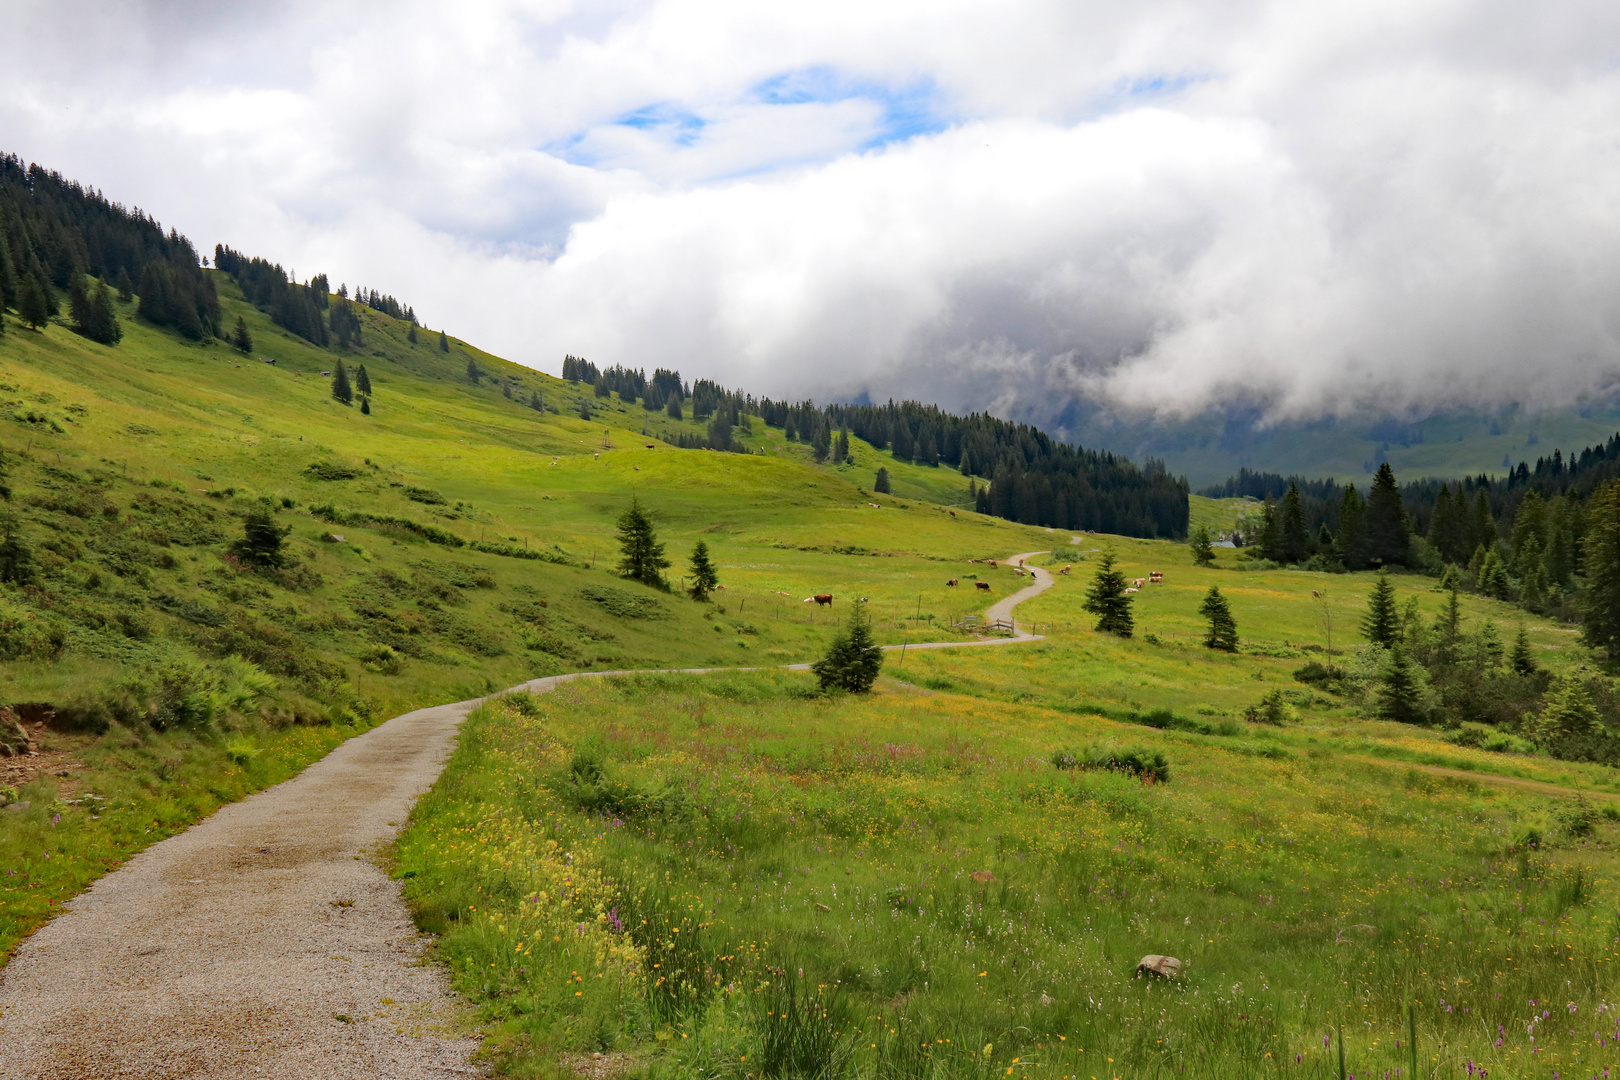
1578, 819
331, 470
1132, 761
1271, 709
853, 660
1320, 675
382, 659
28, 635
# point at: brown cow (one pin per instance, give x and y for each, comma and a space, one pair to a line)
952, 583
1156, 578
985, 585
1066, 569
823, 599
1139, 582
992, 564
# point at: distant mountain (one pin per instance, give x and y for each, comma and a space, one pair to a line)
1212, 446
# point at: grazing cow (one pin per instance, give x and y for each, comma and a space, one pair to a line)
1019, 571
1156, 578
1066, 569
1131, 590
953, 513
823, 599
992, 564
951, 584
1139, 582
1315, 595
983, 585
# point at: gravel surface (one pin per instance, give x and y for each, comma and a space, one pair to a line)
264, 941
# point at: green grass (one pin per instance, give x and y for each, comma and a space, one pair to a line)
798, 878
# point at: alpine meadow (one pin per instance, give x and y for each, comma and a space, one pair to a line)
804, 739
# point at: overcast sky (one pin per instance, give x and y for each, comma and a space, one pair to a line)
1312, 204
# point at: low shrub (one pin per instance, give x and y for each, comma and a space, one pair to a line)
1131, 760
383, 659
1320, 675
1272, 709
331, 470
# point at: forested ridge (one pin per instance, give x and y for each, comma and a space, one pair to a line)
1031, 477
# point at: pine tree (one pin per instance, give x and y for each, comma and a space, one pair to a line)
536, 402
1600, 627
1493, 577
673, 406
362, 381
473, 374
31, 305
444, 342
1568, 712
1203, 547
1350, 542
506, 391
1400, 696
1106, 599
1222, 627
241, 338
365, 406
821, 444
1487, 648
410, 334
1448, 628
125, 287
341, 390
841, 448
1445, 526
642, 556
704, 576
1269, 542
880, 483
1523, 660
1389, 543
1293, 542
853, 660
92, 311
261, 543
1382, 623
1482, 525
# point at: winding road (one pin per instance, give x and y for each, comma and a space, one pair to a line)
265, 941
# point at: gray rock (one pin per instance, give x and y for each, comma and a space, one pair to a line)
1165, 967
19, 807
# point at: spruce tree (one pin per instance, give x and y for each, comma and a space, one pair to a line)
881, 483
1350, 542
31, 305
1388, 541
261, 543
410, 334
673, 406
704, 575
1400, 696
641, 555
341, 390
241, 338
1523, 660
1382, 623
853, 660
1293, 542
1269, 542
362, 381
1568, 712
1493, 577
1106, 599
536, 402
365, 406
444, 342
125, 287
1222, 627
506, 391
821, 444
1203, 547
1600, 627
473, 374
841, 448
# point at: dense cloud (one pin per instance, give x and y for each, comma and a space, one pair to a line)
1314, 207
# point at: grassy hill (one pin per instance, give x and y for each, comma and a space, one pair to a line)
958, 904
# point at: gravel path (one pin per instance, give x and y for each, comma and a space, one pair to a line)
264, 941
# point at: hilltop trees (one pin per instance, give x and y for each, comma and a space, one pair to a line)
853, 660
32, 305
1106, 599
704, 575
641, 555
444, 342
1222, 627
92, 312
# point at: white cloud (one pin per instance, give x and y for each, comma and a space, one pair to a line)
1164, 204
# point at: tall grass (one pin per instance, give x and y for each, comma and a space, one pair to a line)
905, 886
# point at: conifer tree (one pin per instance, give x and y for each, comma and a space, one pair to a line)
853, 660
444, 342
641, 555
704, 575
1523, 660
881, 483
1269, 542
1350, 542
1222, 627
473, 374
1293, 542
841, 449
261, 543
362, 381
241, 338
821, 444
1487, 647
1493, 576
365, 406
125, 287
1203, 547
1600, 628
1400, 695
536, 402
1568, 712
1382, 623
410, 334
1388, 541
673, 407
31, 305
506, 391
1106, 599
341, 390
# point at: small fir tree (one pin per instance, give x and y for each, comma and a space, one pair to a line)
16, 557
362, 381
261, 543
1382, 623
1568, 712
536, 402
704, 575
1106, 599
125, 287
240, 338
341, 390
1222, 627
410, 334
444, 342
642, 556
506, 391
841, 448
672, 407
853, 660
32, 307
473, 374
1293, 542
365, 406
1400, 695
1523, 660
881, 482
1203, 546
